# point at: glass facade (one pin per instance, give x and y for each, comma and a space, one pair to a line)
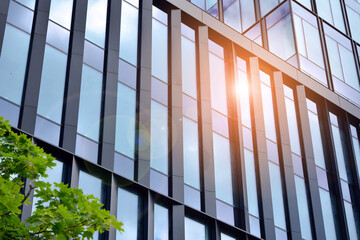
59, 61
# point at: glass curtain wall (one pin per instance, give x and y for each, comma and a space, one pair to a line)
356, 147
353, 14
126, 93
161, 222
13, 59
267, 5
195, 230
276, 184
248, 148
159, 103
326, 197
190, 118
297, 159
342, 163
331, 12
209, 6
52, 86
88, 126
221, 141
239, 14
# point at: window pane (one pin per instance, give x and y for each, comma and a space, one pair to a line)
350, 220
301, 196
188, 66
52, 84
129, 32
125, 121
267, 5
330, 10
268, 112
293, 126
90, 103
127, 213
340, 158
96, 22
191, 153
251, 183
356, 147
28, 3
244, 99
247, 13
159, 54
354, 18
327, 215
194, 230
277, 196
161, 223
13, 63
226, 237
232, 15
222, 164
159, 137
61, 11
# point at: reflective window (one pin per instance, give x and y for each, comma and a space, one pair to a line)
52, 86
13, 61
28, 3
328, 217
90, 103
125, 121
191, 153
254, 34
306, 3
222, 164
194, 230
161, 223
251, 183
127, 213
159, 54
353, 14
342, 63
210, 6
239, 14
280, 32
96, 22
356, 147
61, 11
223, 236
159, 137
268, 5
129, 32
268, 108
330, 10
308, 43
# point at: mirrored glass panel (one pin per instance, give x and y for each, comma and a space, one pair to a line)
331, 12
194, 230
61, 11
96, 22
127, 213
161, 223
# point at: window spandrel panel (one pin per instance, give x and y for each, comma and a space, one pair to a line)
129, 32
52, 84
127, 213
96, 22
191, 153
159, 137
125, 121
160, 51
13, 62
90, 103
61, 11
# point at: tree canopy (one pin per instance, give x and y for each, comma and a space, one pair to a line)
60, 212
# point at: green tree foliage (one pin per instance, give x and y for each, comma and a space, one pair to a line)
61, 212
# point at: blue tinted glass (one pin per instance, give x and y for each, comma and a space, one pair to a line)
93, 56
90, 103
280, 37
127, 74
293, 127
188, 66
277, 196
20, 16
316, 139
125, 121
226, 237
191, 153
340, 158
225, 212
354, 18
52, 84
334, 58
159, 91
199, 3
232, 16
159, 182
28, 3
303, 208
96, 22
349, 67
350, 219
159, 137
356, 147
322, 178
267, 5
247, 13
218, 84
159, 55
254, 226
129, 32
47, 131
13, 60
9, 111
161, 223
58, 36
330, 10
86, 148
251, 183
194, 230
192, 197
222, 165
127, 213
124, 166
328, 216
61, 11
268, 112
306, 3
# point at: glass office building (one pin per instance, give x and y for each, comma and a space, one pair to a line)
199, 119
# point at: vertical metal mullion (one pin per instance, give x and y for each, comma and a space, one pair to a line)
34, 68
113, 205
310, 166
260, 151
207, 154
142, 163
285, 156
108, 126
